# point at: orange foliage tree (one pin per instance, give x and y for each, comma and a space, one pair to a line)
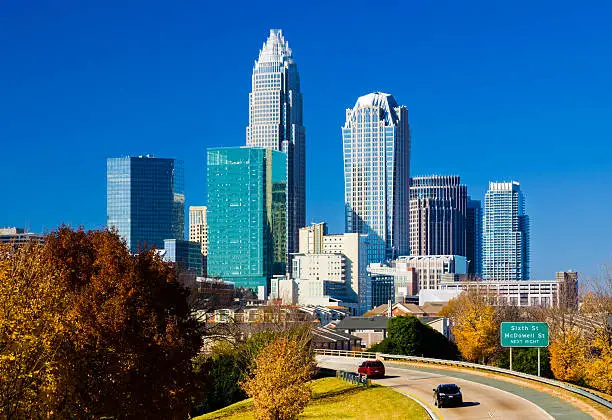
117, 334
278, 383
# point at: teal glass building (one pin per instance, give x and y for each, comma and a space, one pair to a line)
145, 200
247, 215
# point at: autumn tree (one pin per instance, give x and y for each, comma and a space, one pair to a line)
597, 307
475, 326
117, 334
568, 355
32, 332
278, 382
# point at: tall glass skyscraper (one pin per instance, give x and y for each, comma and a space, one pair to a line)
275, 122
145, 200
247, 216
473, 236
505, 243
376, 144
437, 215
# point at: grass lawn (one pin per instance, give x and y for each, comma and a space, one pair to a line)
336, 399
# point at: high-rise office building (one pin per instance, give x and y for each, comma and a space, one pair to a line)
186, 254
505, 243
473, 236
198, 231
376, 144
247, 215
275, 122
145, 200
437, 215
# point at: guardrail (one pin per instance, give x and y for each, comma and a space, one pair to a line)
382, 356
354, 378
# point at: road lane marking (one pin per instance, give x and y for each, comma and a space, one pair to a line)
433, 412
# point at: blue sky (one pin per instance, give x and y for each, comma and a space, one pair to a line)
495, 91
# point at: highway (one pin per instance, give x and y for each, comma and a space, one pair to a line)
481, 401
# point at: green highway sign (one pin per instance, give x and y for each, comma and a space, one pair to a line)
524, 334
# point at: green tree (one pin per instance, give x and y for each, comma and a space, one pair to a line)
408, 336
526, 361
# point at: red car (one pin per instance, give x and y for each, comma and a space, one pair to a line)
372, 369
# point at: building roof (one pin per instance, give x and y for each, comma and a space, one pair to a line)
363, 323
274, 50
378, 310
429, 319
320, 334
409, 308
384, 101
433, 307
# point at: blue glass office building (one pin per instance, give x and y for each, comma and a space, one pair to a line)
187, 255
505, 245
247, 215
145, 200
376, 145
473, 236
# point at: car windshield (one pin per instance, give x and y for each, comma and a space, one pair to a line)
449, 389
376, 364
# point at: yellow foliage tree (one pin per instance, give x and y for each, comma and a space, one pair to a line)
475, 327
567, 356
599, 366
31, 330
278, 383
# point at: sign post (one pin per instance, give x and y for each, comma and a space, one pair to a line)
524, 334
510, 358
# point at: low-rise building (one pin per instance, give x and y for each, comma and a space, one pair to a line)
215, 293
324, 338
413, 273
372, 330
427, 314
561, 292
325, 314
18, 236
284, 289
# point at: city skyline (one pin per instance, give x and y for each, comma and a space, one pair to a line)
93, 104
